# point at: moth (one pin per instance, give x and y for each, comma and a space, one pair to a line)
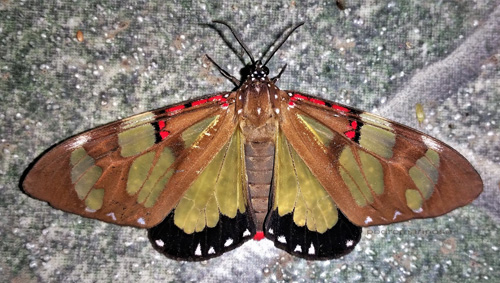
206, 175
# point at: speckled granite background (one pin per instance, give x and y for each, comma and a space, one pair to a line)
381, 56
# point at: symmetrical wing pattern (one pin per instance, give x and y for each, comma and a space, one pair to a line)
206, 175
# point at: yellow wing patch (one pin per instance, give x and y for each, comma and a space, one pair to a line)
322, 134
378, 139
194, 133
363, 176
84, 175
424, 175
138, 134
299, 192
219, 189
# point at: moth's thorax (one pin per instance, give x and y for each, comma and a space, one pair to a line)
256, 104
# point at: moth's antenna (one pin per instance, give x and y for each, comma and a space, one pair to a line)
237, 39
284, 40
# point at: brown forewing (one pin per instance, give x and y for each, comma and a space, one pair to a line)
49, 179
458, 182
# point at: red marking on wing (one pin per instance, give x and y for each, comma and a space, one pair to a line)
297, 96
225, 105
291, 104
161, 124
199, 102
258, 236
216, 98
164, 134
350, 134
175, 108
354, 125
340, 108
317, 101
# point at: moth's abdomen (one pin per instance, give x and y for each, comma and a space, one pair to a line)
259, 162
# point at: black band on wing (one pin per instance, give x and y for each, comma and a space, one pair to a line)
300, 241
229, 233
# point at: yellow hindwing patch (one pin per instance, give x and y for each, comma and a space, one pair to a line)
299, 192
219, 189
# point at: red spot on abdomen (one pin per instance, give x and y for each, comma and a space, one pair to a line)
258, 236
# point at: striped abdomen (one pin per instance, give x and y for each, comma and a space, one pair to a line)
259, 162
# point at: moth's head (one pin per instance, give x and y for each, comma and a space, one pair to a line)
255, 71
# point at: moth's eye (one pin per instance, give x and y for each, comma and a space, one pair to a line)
265, 70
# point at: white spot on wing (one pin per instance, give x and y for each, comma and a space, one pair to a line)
246, 233
349, 243
228, 242
311, 250
298, 248
258, 110
79, 141
277, 110
112, 215
198, 250
418, 210
240, 110
141, 221
368, 220
159, 243
282, 239
211, 251
90, 210
276, 96
430, 143
271, 231
396, 213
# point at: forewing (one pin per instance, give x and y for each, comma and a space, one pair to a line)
376, 171
134, 171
